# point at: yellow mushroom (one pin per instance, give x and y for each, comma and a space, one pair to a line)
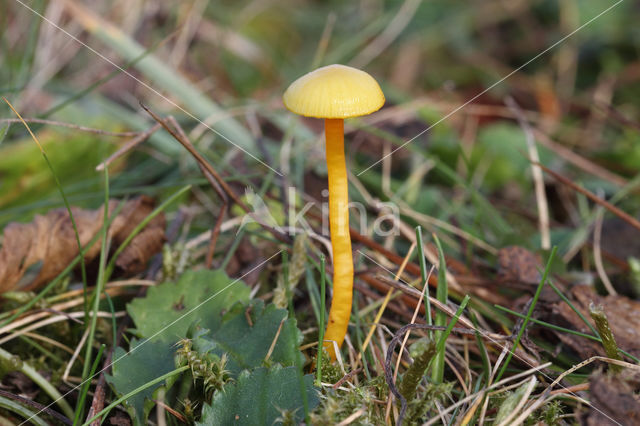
336, 92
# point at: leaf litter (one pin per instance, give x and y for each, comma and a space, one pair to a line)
48, 243
623, 315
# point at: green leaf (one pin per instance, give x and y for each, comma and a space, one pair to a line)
27, 179
170, 308
246, 335
145, 361
261, 397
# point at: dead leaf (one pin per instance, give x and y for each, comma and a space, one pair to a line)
619, 239
623, 315
518, 265
50, 241
119, 419
614, 399
17, 383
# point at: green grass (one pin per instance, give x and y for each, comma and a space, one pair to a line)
227, 66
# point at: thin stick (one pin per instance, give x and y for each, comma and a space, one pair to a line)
128, 146
37, 406
529, 313
538, 180
323, 286
373, 327
597, 253
577, 160
589, 361
404, 340
75, 355
202, 161
495, 385
134, 392
69, 125
572, 389
613, 209
215, 232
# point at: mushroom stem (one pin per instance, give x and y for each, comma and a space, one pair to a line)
340, 238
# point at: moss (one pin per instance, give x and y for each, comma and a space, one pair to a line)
338, 405
422, 352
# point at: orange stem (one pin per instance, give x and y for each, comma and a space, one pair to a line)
340, 238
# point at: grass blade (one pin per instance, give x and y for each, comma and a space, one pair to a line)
47, 387
530, 311
323, 292
85, 387
165, 77
452, 323
100, 282
134, 392
437, 373
66, 204
423, 275
140, 227
573, 308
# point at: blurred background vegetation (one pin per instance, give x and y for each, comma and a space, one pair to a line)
467, 82
235, 58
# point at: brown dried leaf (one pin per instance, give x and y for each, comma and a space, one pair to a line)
614, 400
50, 239
623, 315
518, 265
119, 419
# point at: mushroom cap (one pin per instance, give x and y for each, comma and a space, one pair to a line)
334, 91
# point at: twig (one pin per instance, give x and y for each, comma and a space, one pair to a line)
75, 355
388, 371
70, 126
128, 146
99, 393
215, 232
346, 377
577, 160
56, 318
352, 417
572, 389
493, 386
617, 114
434, 302
385, 302
41, 408
597, 253
204, 163
381, 281
538, 180
586, 362
613, 209
406, 336
548, 391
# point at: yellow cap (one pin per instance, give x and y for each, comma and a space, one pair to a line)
334, 91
